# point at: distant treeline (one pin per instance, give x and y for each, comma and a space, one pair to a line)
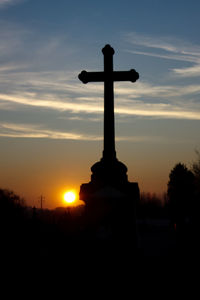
152, 205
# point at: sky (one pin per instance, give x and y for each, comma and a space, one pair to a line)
51, 125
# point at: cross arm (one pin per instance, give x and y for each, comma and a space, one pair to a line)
131, 75
86, 77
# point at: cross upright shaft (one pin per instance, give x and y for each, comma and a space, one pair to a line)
109, 152
108, 77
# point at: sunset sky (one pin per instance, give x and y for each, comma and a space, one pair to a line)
51, 125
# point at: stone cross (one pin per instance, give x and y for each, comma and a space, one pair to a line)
108, 77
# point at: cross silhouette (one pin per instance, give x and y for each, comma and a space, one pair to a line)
108, 77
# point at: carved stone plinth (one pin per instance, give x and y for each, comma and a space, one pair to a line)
110, 201
110, 176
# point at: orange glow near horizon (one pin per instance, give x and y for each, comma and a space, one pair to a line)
70, 197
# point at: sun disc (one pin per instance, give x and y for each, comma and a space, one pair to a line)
69, 197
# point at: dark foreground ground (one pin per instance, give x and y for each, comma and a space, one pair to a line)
60, 237
156, 237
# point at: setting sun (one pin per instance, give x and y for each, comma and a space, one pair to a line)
70, 197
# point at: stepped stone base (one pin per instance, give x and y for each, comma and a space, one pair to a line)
110, 200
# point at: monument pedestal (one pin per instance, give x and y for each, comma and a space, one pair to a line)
110, 201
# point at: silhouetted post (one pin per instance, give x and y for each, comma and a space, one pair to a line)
41, 201
108, 77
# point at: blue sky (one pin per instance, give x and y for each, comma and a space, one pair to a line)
51, 124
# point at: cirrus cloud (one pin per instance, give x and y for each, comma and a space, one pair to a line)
167, 48
4, 3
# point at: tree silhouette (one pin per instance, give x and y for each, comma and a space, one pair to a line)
196, 171
9, 200
181, 193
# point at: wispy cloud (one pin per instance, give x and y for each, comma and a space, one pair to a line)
167, 44
149, 90
13, 39
134, 108
61, 91
15, 130
167, 48
27, 49
188, 72
12, 67
4, 3
24, 87
35, 131
151, 42
50, 104
186, 58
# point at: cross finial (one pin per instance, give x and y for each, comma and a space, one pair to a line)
108, 50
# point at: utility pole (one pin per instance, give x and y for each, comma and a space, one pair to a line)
41, 201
